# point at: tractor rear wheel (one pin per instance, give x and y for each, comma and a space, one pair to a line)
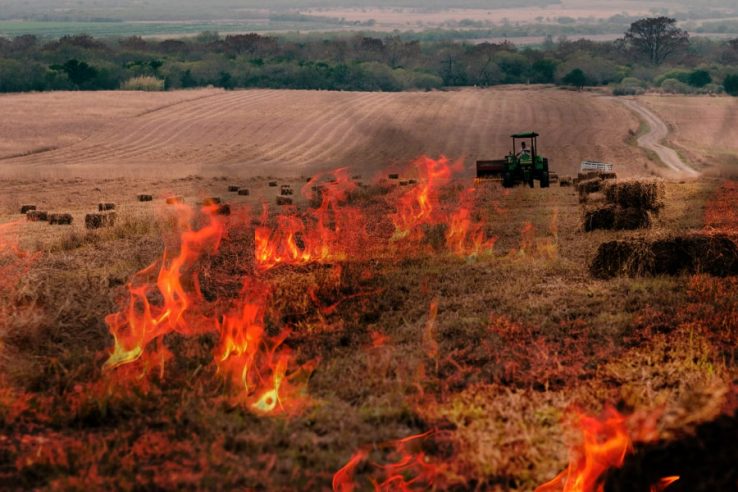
545, 180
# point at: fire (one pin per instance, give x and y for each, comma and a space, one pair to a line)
420, 205
606, 442
664, 483
142, 322
412, 470
464, 236
333, 231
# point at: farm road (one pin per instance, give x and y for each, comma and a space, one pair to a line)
654, 138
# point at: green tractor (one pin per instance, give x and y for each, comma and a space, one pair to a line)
519, 166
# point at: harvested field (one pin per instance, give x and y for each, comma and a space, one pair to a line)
252, 132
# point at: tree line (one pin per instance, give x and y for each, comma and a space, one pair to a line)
652, 52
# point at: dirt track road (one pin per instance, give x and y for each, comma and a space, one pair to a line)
654, 138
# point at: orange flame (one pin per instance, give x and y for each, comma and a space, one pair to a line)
664, 483
606, 443
142, 322
465, 237
413, 470
333, 231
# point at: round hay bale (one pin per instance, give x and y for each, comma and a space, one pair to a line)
145, 198
27, 208
284, 200
599, 218
243, 192
36, 216
643, 194
60, 219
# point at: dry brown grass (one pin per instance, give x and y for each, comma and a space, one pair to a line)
519, 336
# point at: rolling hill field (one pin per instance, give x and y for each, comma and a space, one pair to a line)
291, 133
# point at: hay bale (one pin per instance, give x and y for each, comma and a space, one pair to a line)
36, 216
620, 258
609, 176
211, 200
233, 188
589, 186
244, 192
643, 194
599, 218
60, 219
587, 175
173, 200
631, 218
224, 209
404, 182
565, 181
145, 198
394, 176
272, 184
412, 181
284, 200
286, 190
102, 207
97, 221
27, 208
553, 177
714, 255
612, 217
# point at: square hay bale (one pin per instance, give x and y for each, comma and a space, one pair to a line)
584, 176
27, 208
404, 182
244, 192
708, 254
36, 216
634, 193
97, 221
60, 219
145, 198
412, 181
272, 184
173, 200
599, 218
211, 200
233, 188
597, 197
224, 209
609, 176
284, 200
612, 217
286, 190
565, 181
553, 177
102, 207
394, 176
589, 186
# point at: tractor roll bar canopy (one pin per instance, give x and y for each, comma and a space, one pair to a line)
526, 135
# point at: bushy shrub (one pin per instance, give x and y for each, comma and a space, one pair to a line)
628, 91
699, 78
673, 86
143, 83
731, 84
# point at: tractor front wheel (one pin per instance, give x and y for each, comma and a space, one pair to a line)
507, 181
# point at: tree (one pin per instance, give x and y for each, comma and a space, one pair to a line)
699, 78
79, 73
657, 38
543, 71
575, 78
731, 84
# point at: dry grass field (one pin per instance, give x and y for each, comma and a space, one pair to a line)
379, 333
292, 133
